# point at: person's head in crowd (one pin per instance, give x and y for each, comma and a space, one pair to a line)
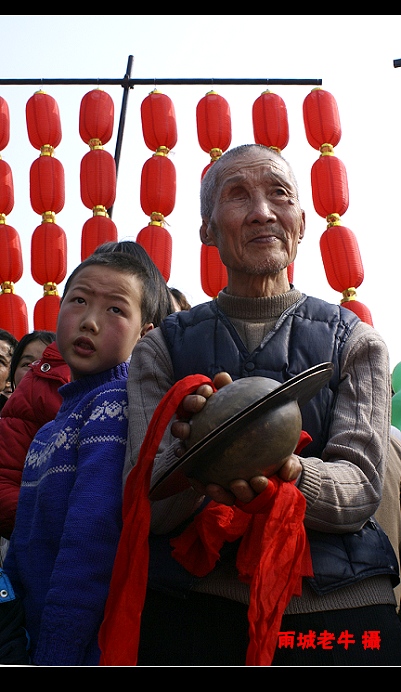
108, 303
179, 299
241, 218
165, 305
28, 350
8, 343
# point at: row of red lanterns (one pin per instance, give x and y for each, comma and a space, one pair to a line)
213, 118
98, 177
13, 311
158, 178
47, 195
339, 247
338, 244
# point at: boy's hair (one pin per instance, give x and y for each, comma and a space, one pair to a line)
165, 305
124, 263
44, 336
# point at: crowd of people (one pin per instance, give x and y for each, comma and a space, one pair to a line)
116, 552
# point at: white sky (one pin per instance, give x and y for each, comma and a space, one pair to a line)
353, 55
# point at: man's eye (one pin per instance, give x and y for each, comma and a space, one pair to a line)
115, 310
237, 193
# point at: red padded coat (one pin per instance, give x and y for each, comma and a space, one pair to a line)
34, 402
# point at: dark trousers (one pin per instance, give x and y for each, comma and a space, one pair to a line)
204, 630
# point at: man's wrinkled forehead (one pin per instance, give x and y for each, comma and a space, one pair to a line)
236, 167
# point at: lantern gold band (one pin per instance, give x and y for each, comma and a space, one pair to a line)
326, 149
46, 150
50, 289
333, 220
48, 217
95, 144
348, 294
215, 153
7, 287
99, 210
157, 216
161, 151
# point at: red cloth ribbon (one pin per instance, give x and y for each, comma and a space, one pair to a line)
272, 557
119, 632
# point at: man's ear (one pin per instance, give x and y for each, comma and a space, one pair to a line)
206, 234
302, 228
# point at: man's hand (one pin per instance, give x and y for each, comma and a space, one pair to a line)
245, 491
239, 489
193, 403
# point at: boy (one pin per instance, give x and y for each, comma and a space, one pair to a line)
68, 519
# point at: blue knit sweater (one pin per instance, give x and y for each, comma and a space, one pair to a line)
68, 520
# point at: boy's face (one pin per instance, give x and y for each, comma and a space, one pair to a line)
99, 321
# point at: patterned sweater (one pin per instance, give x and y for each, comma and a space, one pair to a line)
68, 520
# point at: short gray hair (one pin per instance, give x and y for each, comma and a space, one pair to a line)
212, 176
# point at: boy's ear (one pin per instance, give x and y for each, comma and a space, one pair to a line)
146, 328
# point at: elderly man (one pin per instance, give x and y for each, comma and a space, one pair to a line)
261, 325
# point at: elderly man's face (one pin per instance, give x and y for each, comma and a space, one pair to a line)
5, 362
257, 221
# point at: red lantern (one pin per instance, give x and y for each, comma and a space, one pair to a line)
290, 272
43, 120
329, 186
321, 119
158, 243
270, 121
213, 271
6, 188
96, 117
341, 258
4, 124
98, 179
46, 311
159, 125
213, 119
48, 254
13, 312
359, 309
206, 168
47, 185
47, 192
97, 230
158, 186
11, 265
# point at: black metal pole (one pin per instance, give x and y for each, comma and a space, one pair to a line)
123, 113
154, 81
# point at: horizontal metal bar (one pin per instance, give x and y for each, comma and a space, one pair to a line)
130, 83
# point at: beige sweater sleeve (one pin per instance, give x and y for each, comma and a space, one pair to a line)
343, 489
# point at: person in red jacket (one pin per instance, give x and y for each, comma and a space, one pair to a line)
34, 402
